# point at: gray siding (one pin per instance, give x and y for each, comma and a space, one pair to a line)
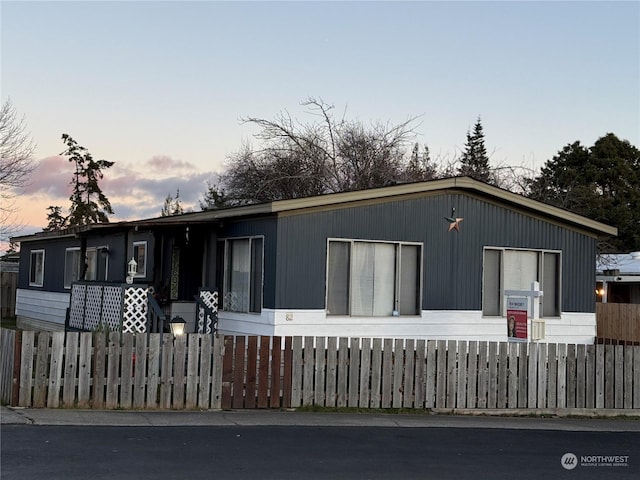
452, 260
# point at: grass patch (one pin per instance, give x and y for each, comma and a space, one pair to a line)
387, 411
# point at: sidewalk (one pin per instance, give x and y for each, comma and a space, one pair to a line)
624, 421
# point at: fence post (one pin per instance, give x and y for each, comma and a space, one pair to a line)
17, 362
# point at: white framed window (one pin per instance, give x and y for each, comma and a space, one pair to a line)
36, 268
140, 256
72, 266
515, 269
243, 274
373, 278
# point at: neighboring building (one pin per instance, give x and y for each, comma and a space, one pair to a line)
618, 278
9, 264
385, 262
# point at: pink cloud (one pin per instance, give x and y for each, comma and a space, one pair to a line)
164, 162
51, 177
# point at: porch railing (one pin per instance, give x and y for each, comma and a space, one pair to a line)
114, 307
96, 306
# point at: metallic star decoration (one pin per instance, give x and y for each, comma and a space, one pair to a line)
454, 222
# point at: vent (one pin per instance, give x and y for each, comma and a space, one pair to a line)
537, 329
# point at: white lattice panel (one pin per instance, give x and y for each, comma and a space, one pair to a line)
205, 321
76, 310
134, 315
112, 306
93, 307
210, 299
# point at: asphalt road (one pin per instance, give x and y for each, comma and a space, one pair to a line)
66, 452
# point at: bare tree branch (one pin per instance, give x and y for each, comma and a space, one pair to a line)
16, 165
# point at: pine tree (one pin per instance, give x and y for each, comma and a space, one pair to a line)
420, 167
214, 198
55, 219
601, 182
88, 203
474, 162
172, 206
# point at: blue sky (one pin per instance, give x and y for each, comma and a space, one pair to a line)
160, 87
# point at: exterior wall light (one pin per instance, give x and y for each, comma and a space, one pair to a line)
132, 270
177, 325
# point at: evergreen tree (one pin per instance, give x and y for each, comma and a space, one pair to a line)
214, 198
13, 247
474, 162
601, 183
420, 166
55, 219
88, 203
172, 206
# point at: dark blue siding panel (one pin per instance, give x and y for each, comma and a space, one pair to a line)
452, 260
117, 254
53, 280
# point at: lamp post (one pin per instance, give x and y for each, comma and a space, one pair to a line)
177, 325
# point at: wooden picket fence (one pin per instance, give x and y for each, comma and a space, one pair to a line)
155, 371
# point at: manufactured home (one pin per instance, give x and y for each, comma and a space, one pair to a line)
428, 260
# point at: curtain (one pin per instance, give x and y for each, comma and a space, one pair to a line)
551, 297
491, 291
239, 275
409, 303
520, 269
338, 278
256, 275
373, 279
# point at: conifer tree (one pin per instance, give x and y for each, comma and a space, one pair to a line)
474, 162
88, 202
172, 206
55, 219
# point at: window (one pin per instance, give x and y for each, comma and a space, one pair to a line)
92, 265
509, 269
140, 256
97, 260
376, 279
72, 266
36, 268
243, 267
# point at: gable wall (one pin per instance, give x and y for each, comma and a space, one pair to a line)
452, 260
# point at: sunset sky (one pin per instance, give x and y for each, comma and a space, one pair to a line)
160, 87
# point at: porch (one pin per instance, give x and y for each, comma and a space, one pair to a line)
102, 306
